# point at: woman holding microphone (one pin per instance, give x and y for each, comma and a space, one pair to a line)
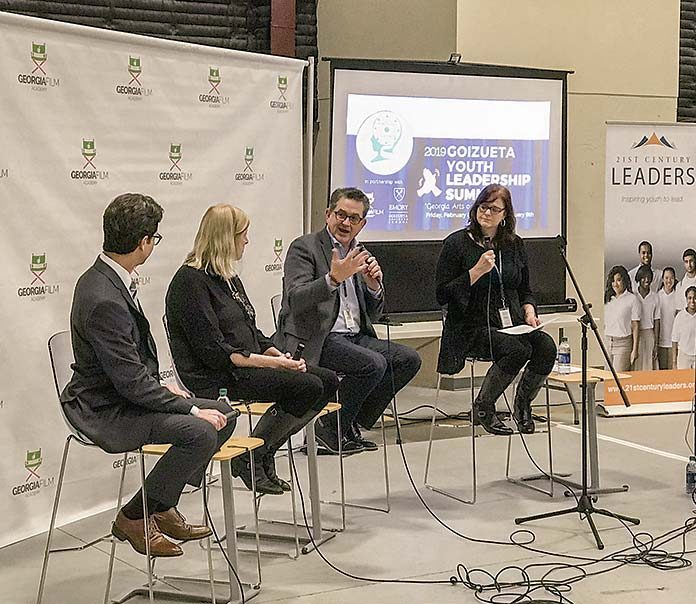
483, 284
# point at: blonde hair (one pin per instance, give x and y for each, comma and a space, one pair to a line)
218, 243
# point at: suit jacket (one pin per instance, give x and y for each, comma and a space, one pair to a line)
206, 325
310, 307
115, 356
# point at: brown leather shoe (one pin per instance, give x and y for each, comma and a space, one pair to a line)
133, 531
174, 525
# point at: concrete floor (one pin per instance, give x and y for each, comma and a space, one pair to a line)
648, 453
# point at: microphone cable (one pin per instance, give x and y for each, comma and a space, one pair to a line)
645, 549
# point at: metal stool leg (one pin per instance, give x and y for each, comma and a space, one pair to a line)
473, 447
54, 515
112, 554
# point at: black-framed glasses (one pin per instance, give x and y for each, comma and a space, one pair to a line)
341, 216
156, 238
487, 207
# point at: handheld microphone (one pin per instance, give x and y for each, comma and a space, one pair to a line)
298, 352
232, 414
361, 248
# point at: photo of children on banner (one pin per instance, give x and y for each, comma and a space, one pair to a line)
622, 314
649, 334
684, 333
666, 299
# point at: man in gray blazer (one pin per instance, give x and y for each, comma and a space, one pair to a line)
115, 397
332, 292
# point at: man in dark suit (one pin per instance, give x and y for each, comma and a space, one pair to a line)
115, 397
332, 292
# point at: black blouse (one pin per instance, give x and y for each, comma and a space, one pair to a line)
208, 320
471, 308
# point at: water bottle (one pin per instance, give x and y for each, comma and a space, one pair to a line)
691, 475
563, 357
222, 396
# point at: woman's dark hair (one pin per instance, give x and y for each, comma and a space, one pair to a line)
644, 271
669, 269
506, 229
129, 218
691, 288
608, 289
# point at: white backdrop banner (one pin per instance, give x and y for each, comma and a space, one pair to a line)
651, 197
85, 115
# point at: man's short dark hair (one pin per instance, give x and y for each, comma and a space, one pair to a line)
129, 218
646, 244
689, 252
349, 193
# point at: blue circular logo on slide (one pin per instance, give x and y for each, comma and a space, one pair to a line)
384, 143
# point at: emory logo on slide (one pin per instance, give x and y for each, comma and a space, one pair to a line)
278, 262
175, 175
134, 90
89, 174
213, 97
248, 176
38, 79
427, 184
282, 104
38, 288
33, 482
383, 143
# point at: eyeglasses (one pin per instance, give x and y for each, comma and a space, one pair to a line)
352, 218
486, 207
156, 238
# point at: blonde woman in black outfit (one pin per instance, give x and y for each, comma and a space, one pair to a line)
216, 344
483, 281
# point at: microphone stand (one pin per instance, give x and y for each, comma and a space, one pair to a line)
585, 506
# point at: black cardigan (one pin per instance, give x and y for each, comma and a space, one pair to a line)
466, 304
206, 325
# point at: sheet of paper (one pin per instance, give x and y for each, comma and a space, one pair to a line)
518, 330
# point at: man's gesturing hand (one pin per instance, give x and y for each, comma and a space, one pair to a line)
344, 268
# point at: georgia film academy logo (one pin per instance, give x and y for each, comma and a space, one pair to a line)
384, 143
248, 176
38, 79
33, 482
660, 166
38, 288
89, 173
134, 89
278, 262
281, 104
175, 175
214, 98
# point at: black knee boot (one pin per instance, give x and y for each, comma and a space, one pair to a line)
291, 425
272, 428
494, 384
527, 391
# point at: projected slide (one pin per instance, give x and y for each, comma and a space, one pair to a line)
422, 146
423, 161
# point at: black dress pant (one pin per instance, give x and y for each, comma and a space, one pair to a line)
511, 353
373, 371
295, 392
126, 428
